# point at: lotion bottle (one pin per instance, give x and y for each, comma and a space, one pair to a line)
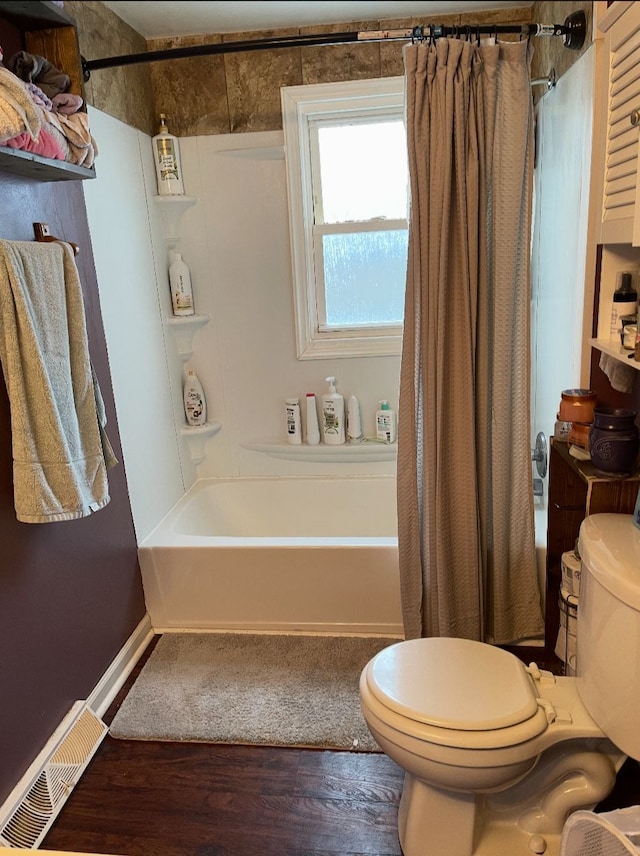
333, 432
354, 423
294, 422
166, 155
386, 423
195, 405
313, 428
180, 284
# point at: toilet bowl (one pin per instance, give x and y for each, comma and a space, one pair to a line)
497, 754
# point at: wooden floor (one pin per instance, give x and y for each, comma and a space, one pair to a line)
172, 799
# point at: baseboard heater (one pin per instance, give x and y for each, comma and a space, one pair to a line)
38, 797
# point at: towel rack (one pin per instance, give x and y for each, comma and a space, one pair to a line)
41, 231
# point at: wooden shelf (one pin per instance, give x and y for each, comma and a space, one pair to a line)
30, 165
46, 30
616, 351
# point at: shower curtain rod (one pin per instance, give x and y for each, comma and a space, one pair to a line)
573, 33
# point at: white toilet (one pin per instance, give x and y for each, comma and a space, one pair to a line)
497, 754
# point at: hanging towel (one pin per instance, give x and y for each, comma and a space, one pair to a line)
621, 376
61, 452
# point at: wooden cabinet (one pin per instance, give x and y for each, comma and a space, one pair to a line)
42, 28
575, 492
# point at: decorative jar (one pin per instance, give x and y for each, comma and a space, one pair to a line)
614, 440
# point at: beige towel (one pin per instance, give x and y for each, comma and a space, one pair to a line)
18, 112
60, 451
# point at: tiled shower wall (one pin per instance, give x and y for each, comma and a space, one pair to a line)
240, 92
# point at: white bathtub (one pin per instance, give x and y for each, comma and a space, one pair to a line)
283, 554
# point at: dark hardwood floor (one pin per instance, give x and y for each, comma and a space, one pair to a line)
174, 799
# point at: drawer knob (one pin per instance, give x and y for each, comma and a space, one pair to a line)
635, 118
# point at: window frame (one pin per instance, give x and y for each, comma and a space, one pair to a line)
302, 108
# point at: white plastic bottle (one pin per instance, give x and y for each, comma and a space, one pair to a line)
386, 423
195, 404
166, 155
354, 423
333, 432
313, 427
180, 284
294, 422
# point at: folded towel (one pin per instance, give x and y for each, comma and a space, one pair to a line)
18, 111
60, 451
621, 376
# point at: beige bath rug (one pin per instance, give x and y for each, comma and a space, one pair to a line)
258, 689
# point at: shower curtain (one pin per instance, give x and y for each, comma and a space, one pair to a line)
465, 493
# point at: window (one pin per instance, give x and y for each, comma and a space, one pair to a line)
347, 181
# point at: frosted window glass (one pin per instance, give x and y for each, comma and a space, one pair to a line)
365, 275
363, 171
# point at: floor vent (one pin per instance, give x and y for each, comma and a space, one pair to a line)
42, 794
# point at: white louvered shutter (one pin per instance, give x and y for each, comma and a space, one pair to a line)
621, 186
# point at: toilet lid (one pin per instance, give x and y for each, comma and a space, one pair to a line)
456, 684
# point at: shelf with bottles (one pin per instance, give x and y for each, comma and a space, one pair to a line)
184, 328
615, 350
367, 451
197, 436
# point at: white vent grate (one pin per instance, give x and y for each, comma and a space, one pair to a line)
39, 802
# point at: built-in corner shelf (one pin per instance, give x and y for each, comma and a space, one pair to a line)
172, 209
616, 351
196, 437
184, 328
348, 453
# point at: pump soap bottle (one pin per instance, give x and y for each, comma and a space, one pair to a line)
333, 432
386, 423
166, 155
195, 404
624, 302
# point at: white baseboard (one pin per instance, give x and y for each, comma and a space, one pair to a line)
113, 679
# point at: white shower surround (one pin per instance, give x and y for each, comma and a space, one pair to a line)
316, 554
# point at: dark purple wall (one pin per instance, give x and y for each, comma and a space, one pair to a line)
70, 592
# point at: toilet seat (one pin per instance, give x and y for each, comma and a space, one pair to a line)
457, 692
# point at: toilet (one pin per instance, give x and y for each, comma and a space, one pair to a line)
497, 754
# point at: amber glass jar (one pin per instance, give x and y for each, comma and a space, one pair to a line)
577, 405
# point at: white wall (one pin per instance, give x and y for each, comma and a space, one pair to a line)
235, 239
126, 236
236, 243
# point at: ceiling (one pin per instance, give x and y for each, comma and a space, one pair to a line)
160, 19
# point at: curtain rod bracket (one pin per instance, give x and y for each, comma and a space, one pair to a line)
576, 25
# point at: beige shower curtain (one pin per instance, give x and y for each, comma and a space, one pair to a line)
465, 497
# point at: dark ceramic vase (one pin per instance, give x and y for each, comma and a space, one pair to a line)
614, 441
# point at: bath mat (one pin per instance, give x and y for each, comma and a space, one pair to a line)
256, 689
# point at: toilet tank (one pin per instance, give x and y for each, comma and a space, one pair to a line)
608, 627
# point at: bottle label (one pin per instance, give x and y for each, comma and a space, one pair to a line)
167, 161
331, 418
194, 405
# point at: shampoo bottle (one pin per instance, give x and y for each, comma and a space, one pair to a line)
313, 428
333, 432
166, 155
195, 405
354, 423
294, 423
386, 423
180, 284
